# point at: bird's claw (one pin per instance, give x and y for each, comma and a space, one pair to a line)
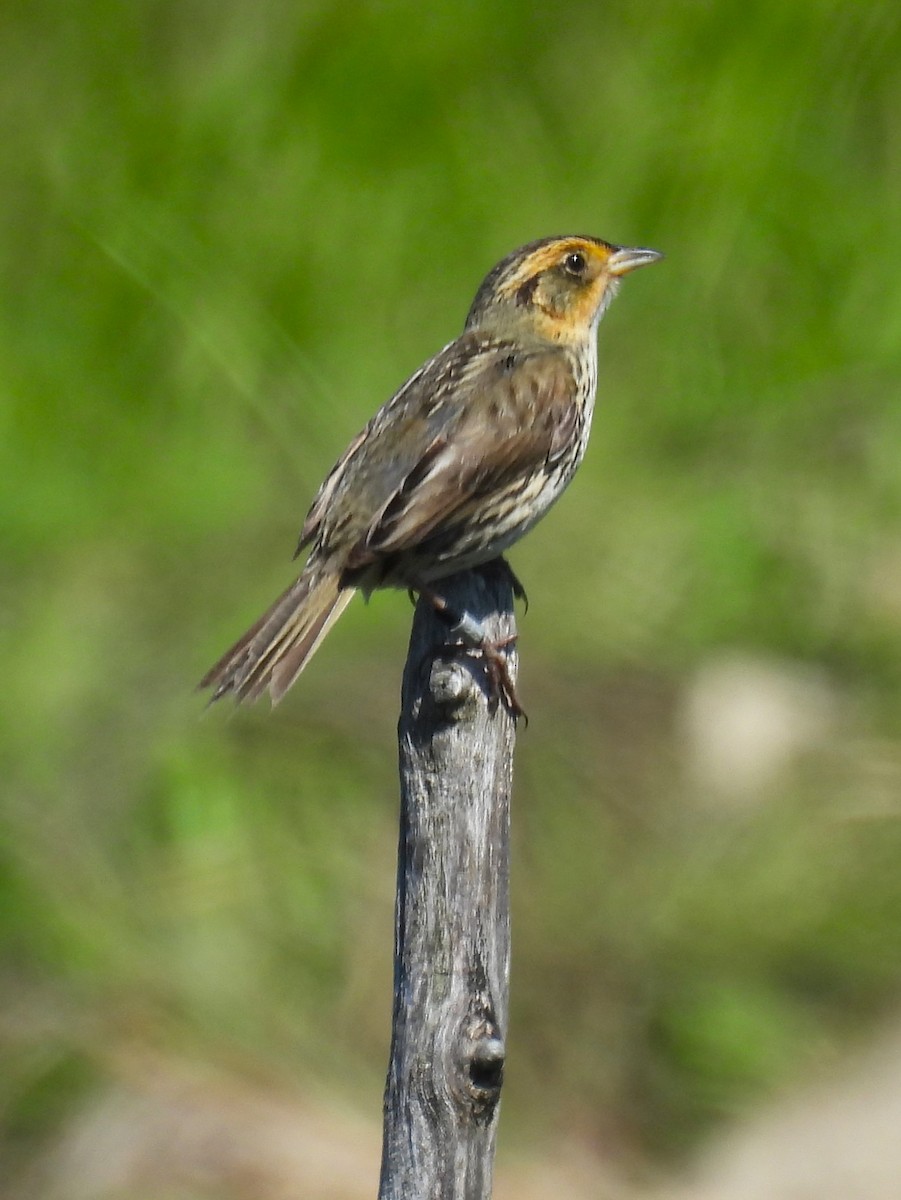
500, 682
497, 673
515, 582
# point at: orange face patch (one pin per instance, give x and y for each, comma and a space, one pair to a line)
551, 255
563, 306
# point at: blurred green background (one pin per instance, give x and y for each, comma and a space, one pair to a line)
229, 231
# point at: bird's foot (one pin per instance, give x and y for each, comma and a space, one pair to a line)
470, 635
504, 568
500, 682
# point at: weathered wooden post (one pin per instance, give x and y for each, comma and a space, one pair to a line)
452, 925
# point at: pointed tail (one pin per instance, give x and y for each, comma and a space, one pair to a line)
274, 651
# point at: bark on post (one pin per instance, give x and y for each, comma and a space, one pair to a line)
452, 926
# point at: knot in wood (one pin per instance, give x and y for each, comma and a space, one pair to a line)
486, 1065
451, 685
482, 1075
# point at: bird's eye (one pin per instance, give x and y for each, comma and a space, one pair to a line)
574, 262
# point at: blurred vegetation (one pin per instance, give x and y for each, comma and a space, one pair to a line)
228, 232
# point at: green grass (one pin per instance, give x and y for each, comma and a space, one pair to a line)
227, 234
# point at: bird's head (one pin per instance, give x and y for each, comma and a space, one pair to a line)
556, 288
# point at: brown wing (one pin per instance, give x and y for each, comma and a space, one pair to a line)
383, 454
517, 417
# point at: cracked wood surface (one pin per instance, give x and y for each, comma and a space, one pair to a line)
452, 923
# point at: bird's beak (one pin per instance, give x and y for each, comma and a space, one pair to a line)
625, 259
